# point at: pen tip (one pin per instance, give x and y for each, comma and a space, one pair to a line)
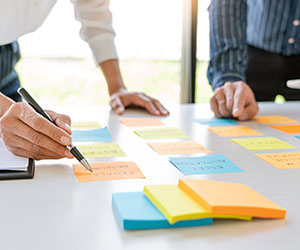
85, 163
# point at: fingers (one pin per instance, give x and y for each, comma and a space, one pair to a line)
249, 112
61, 120
163, 111
214, 107
117, 105
28, 134
37, 143
123, 99
27, 115
234, 99
221, 102
24, 148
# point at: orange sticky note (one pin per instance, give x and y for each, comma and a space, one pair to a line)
233, 131
269, 119
141, 122
282, 160
220, 197
179, 147
105, 171
289, 129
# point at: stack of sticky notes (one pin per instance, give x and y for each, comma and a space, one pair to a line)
191, 203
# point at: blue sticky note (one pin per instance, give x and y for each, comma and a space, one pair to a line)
297, 136
91, 135
211, 164
216, 121
135, 211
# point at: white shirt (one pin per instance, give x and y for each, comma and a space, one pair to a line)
18, 17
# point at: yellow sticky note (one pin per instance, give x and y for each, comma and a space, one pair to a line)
161, 133
99, 150
269, 119
141, 122
220, 197
179, 147
233, 131
262, 143
85, 125
176, 205
289, 129
282, 160
104, 171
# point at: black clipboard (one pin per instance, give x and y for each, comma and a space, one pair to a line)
18, 174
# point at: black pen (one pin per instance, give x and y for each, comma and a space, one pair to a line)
74, 151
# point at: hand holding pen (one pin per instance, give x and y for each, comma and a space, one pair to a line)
28, 134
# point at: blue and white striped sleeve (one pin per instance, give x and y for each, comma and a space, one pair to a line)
228, 41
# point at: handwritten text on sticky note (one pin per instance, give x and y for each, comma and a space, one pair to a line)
179, 147
233, 131
262, 143
91, 135
211, 164
103, 171
101, 150
161, 133
269, 119
282, 160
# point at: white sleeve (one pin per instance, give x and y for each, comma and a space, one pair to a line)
96, 29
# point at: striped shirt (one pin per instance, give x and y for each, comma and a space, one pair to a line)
271, 25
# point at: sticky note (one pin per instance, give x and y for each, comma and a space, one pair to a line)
176, 205
211, 164
282, 160
179, 147
233, 131
141, 122
161, 133
85, 125
220, 197
216, 121
100, 150
105, 171
91, 135
135, 211
289, 129
269, 119
262, 143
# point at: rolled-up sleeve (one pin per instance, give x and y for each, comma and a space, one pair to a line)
228, 41
96, 30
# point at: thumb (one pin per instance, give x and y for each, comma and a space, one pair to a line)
238, 105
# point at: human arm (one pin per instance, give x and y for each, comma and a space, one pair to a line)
27, 134
228, 60
97, 31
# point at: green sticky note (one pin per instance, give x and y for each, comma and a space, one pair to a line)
262, 143
85, 125
161, 133
101, 150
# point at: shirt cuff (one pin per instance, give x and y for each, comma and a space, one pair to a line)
221, 79
103, 49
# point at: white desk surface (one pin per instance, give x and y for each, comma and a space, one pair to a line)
53, 211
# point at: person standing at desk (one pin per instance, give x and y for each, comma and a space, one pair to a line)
24, 132
254, 50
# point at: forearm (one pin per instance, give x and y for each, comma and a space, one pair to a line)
5, 104
112, 74
228, 44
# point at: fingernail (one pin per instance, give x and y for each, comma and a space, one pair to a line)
68, 154
64, 125
66, 140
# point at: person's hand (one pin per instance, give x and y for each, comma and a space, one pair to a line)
28, 134
122, 99
234, 99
